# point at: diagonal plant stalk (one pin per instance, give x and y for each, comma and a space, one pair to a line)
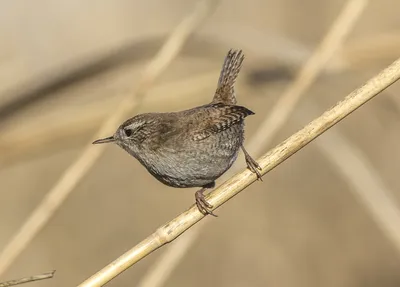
47, 275
170, 231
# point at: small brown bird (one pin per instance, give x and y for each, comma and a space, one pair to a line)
191, 148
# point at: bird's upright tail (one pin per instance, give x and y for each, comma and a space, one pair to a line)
225, 92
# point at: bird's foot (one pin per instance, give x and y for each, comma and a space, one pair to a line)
252, 164
202, 204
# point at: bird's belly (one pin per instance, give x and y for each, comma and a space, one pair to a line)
193, 172
197, 164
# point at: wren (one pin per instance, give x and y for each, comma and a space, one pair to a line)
191, 148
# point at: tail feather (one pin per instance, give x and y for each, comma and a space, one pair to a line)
225, 92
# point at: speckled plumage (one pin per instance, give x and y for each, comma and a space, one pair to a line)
191, 148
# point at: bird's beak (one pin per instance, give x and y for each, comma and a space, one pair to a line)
105, 140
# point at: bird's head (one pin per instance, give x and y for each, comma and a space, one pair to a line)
131, 134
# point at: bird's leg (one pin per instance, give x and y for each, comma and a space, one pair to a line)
202, 204
252, 164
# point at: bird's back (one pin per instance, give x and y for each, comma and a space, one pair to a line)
197, 146
201, 144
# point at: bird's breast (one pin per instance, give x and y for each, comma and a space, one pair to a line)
194, 163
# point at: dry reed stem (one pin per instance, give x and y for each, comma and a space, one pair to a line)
332, 41
170, 231
161, 270
29, 279
84, 163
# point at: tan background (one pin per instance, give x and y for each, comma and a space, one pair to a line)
302, 226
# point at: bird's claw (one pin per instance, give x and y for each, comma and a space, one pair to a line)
254, 167
202, 204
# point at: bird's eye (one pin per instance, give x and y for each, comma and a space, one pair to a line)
128, 132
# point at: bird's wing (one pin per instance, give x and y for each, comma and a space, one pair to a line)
218, 117
225, 92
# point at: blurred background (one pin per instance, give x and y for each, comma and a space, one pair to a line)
66, 65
